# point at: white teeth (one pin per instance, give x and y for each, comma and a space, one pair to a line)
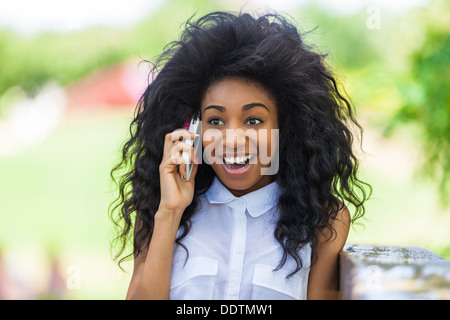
239, 160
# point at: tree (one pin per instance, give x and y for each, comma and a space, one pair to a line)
426, 96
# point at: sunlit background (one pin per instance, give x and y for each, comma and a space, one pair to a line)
70, 77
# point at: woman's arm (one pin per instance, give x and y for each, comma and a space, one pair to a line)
153, 266
323, 281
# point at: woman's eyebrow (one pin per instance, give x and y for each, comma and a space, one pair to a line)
245, 107
220, 108
248, 106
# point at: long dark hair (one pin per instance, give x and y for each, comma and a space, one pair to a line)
317, 168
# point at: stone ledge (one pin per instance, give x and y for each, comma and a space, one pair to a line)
388, 272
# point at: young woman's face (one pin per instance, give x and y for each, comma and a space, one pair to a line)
238, 118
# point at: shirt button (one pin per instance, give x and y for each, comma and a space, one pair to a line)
239, 250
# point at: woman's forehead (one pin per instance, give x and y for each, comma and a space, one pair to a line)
237, 93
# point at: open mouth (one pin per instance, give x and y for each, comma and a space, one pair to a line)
237, 163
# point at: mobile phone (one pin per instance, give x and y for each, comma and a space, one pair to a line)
194, 127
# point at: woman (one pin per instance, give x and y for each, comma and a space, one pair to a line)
244, 226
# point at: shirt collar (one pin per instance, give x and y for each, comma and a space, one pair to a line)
257, 202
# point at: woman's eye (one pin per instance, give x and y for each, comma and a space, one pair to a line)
215, 121
254, 121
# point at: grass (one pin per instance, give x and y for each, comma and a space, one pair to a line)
54, 198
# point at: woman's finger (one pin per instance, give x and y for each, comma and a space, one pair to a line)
172, 137
177, 150
182, 133
183, 154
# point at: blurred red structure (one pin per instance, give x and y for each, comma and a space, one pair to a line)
116, 86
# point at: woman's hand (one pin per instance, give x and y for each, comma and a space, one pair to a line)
176, 194
152, 268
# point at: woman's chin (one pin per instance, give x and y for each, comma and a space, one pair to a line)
240, 184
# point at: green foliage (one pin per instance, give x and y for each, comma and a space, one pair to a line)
344, 38
30, 62
149, 37
385, 76
426, 102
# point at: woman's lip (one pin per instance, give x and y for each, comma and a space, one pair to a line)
236, 171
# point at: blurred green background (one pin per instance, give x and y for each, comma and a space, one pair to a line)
64, 115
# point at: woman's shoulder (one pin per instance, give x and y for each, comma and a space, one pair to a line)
342, 221
341, 225
335, 234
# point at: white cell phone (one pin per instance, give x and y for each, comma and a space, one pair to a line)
194, 127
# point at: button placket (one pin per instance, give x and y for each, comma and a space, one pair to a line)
238, 249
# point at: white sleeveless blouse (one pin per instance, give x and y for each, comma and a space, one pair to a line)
233, 253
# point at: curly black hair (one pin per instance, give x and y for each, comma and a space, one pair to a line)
317, 168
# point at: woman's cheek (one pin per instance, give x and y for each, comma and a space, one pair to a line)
212, 146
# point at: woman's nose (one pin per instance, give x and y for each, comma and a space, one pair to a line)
234, 142
239, 141
234, 137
